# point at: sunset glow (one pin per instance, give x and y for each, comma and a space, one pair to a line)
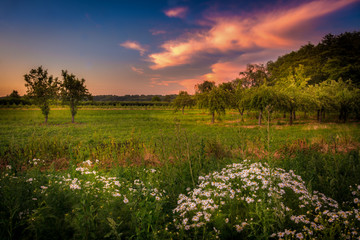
159, 48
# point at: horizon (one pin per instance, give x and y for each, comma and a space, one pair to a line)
162, 47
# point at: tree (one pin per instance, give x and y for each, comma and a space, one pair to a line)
72, 91
261, 98
41, 88
14, 94
204, 87
213, 99
254, 76
167, 98
155, 99
293, 91
183, 100
347, 96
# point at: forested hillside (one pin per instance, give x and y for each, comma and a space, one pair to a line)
336, 56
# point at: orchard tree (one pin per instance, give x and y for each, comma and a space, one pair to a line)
183, 100
41, 88
213, 99
347, 98
325, 97
204, 87
294, 88
254, 75
240, 96
72, 91
261, 98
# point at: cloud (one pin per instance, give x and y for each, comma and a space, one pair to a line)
157, 32
135, 46
155, 81
262, 30
178, 12
137, 70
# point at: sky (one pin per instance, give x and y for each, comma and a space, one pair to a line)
128, 47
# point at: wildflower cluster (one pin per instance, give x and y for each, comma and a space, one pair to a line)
90, 182
248, 195
36, 162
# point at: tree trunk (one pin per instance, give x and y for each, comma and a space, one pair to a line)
294, 115
341, 115
291, 118
345, 115
213, 117
241, 111
284, 115
260, 116
305, 115
73, 112
318, 115
46, 118
183, 110
323, 112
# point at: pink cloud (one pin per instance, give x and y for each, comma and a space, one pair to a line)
263, 30
155, 81
134, 45
137, 70
157, 32
179, 12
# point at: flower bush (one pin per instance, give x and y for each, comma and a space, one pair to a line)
253, 200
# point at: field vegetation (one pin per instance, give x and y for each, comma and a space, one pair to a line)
128, 173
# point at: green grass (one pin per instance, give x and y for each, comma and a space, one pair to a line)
128, 143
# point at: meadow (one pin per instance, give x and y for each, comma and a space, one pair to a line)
152, 173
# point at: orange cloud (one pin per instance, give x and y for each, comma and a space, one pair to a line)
179, 12
134, 45
137, 70
265, 30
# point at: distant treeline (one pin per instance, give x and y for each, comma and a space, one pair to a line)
124, 103
14, 101
104, 100
134, 98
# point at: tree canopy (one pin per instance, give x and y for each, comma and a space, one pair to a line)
72, 91
41, 88
336, 56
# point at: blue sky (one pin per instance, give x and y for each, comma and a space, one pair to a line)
158, 47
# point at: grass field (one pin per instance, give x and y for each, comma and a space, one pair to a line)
156, 174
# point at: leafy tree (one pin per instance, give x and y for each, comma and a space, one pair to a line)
254, 76
293, 92
155, 99
41, 88
167, 98
234, 95
73, 91
212, 98
14, 94
325, 97
204, 87
261, 98
183, 100
347, 97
